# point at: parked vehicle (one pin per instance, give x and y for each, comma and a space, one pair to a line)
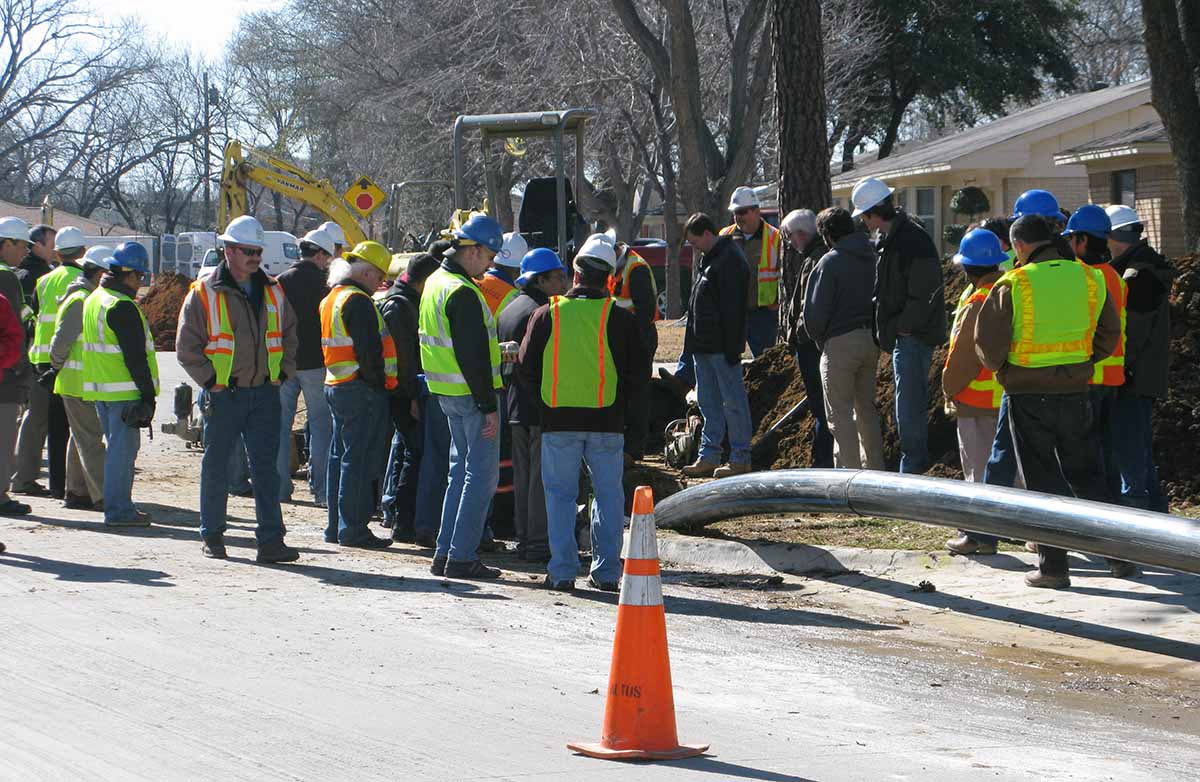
281, 251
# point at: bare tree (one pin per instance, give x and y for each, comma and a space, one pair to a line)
1106, 42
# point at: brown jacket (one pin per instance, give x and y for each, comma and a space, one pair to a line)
962, 364
249, 338
993, 339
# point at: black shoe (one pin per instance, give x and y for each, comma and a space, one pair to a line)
77, 502
474, 569
32, 489
331, 538
537, 556
425, 540
438, 567
14, 508
558, 586
243, 492
276, 551
214, 548
369, 542
57, 494
604, 586
491, 545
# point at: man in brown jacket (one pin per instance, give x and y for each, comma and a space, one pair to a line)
1046, 381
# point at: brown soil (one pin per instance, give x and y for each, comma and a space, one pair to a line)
162, 304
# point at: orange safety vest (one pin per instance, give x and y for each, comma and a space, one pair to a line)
618, 285
985, 390
337, 347
497, 292
768, 263
1111, 371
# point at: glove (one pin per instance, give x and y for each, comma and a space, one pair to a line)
46, 379
139, 416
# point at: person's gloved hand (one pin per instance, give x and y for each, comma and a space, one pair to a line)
46, 379
140, 415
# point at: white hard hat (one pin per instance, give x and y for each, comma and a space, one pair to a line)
743, 197
1121, 216
512, 251
244, 230
321, 238
14, 228
867, 193
599, 249
98, 256
802, 220
335, 231
69, 238
610, 236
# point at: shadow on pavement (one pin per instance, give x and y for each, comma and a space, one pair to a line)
86, 574
387, 583
708, 765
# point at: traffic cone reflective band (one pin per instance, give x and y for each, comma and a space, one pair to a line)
639, 715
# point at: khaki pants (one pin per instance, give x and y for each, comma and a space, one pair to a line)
9, 413
848, 367
975, 436
85, 451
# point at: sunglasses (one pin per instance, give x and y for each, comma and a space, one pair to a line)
253, 252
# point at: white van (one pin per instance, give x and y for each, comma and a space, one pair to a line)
280, 252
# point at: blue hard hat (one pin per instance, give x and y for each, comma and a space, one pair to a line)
483, 230
1038, 202
535, 262
131, 256
1089, 219
980, 248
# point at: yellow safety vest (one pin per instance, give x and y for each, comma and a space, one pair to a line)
442, 372
337, 346
1056, 306
51, 288
220, 347
768, 263
105, 376
577, 365
69, 381
618, 285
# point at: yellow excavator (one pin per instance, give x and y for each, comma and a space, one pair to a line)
282, 177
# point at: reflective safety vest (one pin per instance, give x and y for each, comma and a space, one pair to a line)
341, 362
618, 284
220, 331
985, 390
105, 376
498, 293
1056, 306
768, 263
1011, 263
69, 381
442, 372
1111, 371
51, 287
577, 364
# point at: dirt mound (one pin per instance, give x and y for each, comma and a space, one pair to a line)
161, 304
1177, 418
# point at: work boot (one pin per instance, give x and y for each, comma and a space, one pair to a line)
438, 566
964, 545
214, 547
32, 489
401, 535
138, 519
475, 570
731, 469
604, 586
276, 551
369, 542
700, 469
566, 585
1122, 569
14, 508
1046, 581
77, 502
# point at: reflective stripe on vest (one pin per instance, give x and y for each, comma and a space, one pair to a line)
618, 286
984, 391
69, 381
768, 263
577, 364
51, 288
497, 292
220, 347
1111, 371
1056, 305
438, 360
105, 376
337, 346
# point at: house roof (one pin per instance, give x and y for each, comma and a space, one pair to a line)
940, 154
33, 216
1148, 138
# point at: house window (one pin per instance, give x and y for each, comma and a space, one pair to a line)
926, 211
1124, 187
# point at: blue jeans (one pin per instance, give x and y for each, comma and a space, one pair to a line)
250, 416
355, 458
762, 327
311, 383
721, 392
121, 449
808, 361
603, 453
434, 470
685, 370
474, 475
910, 364
1135, 452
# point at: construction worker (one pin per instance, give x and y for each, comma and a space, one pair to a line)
85, 454
304, 285
360, 372
633, 289
1042, 329
337, 234
1147, 355
16, 378
999, 227
12, 351
972, 392
499, 282
583, 354
542, 277
761, 243
45, 420
237, 340
461, 358
910, 316
120, 376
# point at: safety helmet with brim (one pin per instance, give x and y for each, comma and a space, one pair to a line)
245, 231
538, 261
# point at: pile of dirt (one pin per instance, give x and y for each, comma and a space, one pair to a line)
161, 304
1177, 418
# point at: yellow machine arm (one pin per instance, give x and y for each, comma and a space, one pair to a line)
281, 177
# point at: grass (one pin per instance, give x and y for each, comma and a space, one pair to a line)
838, 531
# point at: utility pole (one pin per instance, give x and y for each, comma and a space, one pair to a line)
207, 150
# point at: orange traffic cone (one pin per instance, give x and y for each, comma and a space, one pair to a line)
639, 716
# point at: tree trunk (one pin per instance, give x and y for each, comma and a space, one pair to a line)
853, 138
1173, 50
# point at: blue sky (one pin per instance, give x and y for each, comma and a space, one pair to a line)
200, 25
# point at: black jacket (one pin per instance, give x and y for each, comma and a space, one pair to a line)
717, 305
126, 322
523, 407
29, 272
797, 269
400, 308
838, 299
305, 284
470, 336
908, 286
1148, 318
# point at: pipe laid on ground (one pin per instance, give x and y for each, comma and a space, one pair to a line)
1115, 531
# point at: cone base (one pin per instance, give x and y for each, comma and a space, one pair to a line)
604, 753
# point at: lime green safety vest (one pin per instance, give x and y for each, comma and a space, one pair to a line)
1056, 305
105, 376
577, 365
1008, 265
442, 372
51, 287
69, 381
220, 347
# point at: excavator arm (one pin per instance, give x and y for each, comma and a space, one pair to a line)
282, 177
